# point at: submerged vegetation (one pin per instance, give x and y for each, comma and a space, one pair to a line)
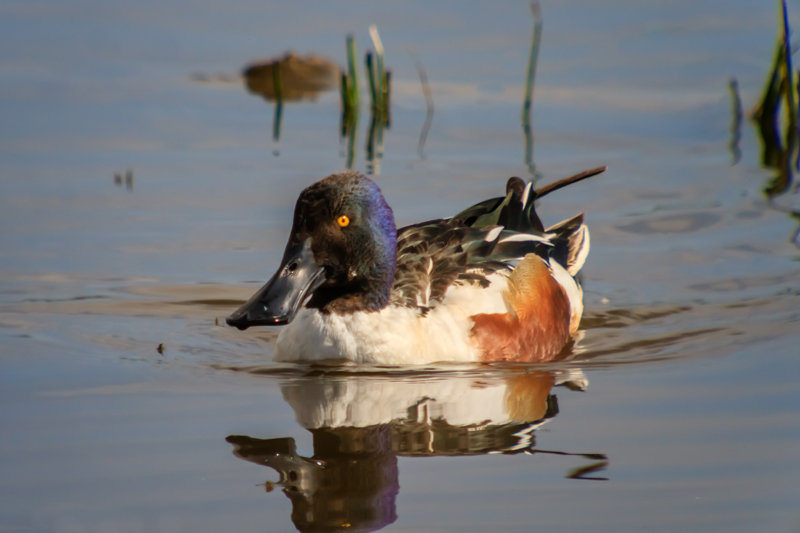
293, 78
379, 83
378, 77
350, 77
350, 100
529, 82
775, 118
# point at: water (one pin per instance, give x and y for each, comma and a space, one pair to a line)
680, 410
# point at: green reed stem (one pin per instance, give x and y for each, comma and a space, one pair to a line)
373, 91
351, 86
380, 85
278, 86
532, 60
387, 85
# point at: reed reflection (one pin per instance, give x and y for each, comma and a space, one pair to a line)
361, 424
533, 58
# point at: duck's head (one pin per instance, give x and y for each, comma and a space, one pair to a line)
340, 257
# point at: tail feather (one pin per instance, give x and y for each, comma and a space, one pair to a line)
571, 243
516, 212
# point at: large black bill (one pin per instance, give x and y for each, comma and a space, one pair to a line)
277, 302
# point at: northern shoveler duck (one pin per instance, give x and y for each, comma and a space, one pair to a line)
488, 284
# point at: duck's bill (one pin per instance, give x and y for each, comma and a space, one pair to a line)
277, 302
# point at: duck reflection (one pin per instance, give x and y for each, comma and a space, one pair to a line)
351, 481
361, 424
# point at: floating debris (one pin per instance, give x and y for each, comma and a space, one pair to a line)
291, 78
126, 179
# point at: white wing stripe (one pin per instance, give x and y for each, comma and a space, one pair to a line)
524, 237
526, 193
493, 233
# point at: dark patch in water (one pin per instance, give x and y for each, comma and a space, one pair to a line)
622, 318
73, 299
686, 223
654, 342
738, 284
211, 302
749, 215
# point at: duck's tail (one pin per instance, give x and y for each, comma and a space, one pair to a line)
570, 238
571, 243
516, 211
566, 242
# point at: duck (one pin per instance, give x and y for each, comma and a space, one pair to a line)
489, 284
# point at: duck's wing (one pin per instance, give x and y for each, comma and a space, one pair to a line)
436, 255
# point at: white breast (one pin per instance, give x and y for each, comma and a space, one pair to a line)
394, 335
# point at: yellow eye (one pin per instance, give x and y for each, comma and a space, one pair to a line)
343, 220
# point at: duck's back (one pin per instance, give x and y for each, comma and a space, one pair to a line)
494, 262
